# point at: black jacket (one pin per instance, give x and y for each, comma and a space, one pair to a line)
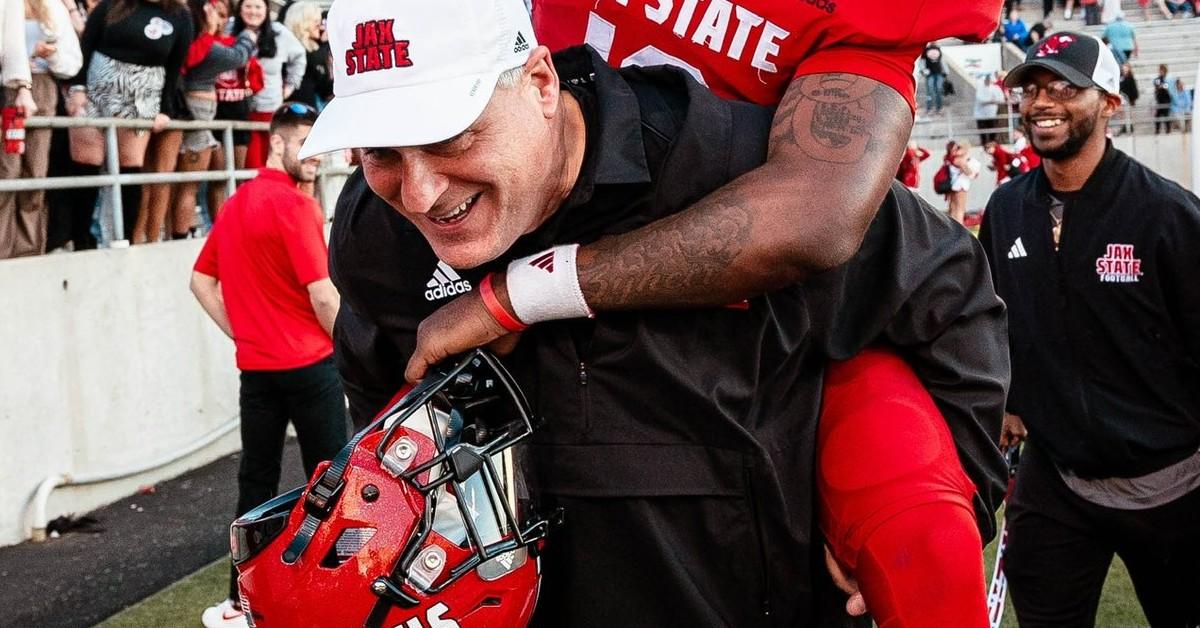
680, 443
1104, 351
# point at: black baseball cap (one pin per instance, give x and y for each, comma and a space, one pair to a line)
1077, 57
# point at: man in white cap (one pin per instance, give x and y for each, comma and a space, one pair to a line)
1096, 256
656, 422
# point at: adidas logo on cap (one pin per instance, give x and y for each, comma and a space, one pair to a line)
445, 283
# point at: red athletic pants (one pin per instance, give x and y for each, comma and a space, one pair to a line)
894, 502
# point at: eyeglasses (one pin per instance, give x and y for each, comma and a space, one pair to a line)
1057, 90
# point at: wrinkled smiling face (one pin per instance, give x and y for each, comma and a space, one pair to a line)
474, 194
1058, 129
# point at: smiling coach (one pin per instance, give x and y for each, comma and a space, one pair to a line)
1096, 257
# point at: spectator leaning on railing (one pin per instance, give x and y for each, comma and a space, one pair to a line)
52, 50
207, 59
283, 63
235, 89
305, 22
14, 61
133, 51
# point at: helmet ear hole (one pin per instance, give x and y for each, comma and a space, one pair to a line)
348, 543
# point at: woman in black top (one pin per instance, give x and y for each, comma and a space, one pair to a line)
133, 51
1129, 90
207, 60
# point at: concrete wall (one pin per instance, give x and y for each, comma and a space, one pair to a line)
105, 360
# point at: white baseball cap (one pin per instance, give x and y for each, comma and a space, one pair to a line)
414, 72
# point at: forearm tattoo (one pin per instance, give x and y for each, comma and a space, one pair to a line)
692, 258
668, 261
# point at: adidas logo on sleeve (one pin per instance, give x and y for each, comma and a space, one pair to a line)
445, 283
1017, 250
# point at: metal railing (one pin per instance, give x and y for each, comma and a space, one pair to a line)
113, 179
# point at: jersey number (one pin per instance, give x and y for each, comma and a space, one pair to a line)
433, 619
601, 33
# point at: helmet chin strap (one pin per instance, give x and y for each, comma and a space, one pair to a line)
319, 501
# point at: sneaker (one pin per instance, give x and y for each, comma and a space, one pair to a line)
224, 615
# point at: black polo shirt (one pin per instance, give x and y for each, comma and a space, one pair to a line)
680, 443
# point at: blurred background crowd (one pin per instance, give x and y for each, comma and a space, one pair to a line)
982, 135
239, 60
154, 60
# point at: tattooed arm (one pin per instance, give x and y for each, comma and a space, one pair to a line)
835, 142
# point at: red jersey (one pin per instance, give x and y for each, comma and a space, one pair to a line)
267, 245
910, 166
1002, 160
751, 49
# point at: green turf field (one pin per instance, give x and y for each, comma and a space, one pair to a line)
180, 605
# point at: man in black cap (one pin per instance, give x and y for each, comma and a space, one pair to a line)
1096, 256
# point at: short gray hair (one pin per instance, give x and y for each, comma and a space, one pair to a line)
511, 77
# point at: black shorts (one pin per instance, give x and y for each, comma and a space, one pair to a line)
236, 111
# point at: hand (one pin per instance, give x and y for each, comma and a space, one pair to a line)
160, 121
1012, 431
287, 91
24, 100
460, 325
44, 50
856, 605
76, 103
250, 34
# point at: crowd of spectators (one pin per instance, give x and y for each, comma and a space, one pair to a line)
154, 60
1172, 99
1105, 11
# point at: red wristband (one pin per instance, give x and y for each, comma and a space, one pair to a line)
506, 320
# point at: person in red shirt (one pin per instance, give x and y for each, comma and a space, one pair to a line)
910, 165
263, 277
1004, 161
1029, 158
841, 75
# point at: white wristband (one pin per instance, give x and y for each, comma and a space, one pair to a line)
545, 286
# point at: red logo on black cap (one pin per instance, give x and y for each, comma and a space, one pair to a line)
375, 48
1054, 44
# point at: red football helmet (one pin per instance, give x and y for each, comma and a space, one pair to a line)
422, 521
